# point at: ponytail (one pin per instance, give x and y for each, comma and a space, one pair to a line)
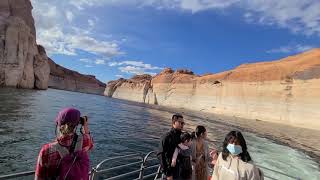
200, 130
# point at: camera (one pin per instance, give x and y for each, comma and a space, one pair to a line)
83, 119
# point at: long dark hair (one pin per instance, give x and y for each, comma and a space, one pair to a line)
231, 137
185, 136
199, 131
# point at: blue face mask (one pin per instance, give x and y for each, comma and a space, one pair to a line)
234, 149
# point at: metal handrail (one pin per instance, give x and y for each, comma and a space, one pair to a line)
144, 164
142, 160
96, 170
141, 171
158, 173
119, 167
117, 157
124, 175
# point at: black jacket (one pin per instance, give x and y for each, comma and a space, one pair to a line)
167, 146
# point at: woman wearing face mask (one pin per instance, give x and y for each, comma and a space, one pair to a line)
235, 163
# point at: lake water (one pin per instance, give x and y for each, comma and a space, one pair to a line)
27, 122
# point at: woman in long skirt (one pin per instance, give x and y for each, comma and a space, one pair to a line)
200, 154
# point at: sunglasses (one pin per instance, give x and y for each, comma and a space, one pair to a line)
182, 123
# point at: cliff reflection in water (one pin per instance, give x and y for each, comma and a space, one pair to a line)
27, 122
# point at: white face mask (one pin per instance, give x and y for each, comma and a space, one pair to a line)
234, 149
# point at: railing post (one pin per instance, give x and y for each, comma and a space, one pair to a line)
163, 177
143, 165
92, 173
158, 173
142, 170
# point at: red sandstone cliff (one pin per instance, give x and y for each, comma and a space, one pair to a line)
284, 91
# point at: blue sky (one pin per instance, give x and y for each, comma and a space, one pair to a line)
121, 38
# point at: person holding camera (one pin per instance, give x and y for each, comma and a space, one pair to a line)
67, 156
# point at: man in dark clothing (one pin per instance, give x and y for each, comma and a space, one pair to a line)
168, 144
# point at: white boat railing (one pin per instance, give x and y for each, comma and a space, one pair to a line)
139, 167
132, 166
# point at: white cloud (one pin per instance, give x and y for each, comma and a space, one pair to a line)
69, 16
248, 17
46, 15
85, 60
80, 3
96, 61
91, 22
135, 67
119, 76
291, 49
82, 31
135, 63
191, 5
135, 70
100, 61
296, 15
92, 45
113, 64
59, 38
53, 40
199, 5
56, 41
88, 66
301, 48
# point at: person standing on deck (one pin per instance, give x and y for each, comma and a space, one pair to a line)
167, 146
182, 154
200, 154
67, 157
235, 161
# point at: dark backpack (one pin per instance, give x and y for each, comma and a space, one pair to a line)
74, 163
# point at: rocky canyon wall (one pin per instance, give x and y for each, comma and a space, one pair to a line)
21, 63
24, 64
286, 91
134, 89
65, 79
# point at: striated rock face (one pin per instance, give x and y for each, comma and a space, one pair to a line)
286, 91
19, 56
137, 87
24, 64
65, 79
41, 69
